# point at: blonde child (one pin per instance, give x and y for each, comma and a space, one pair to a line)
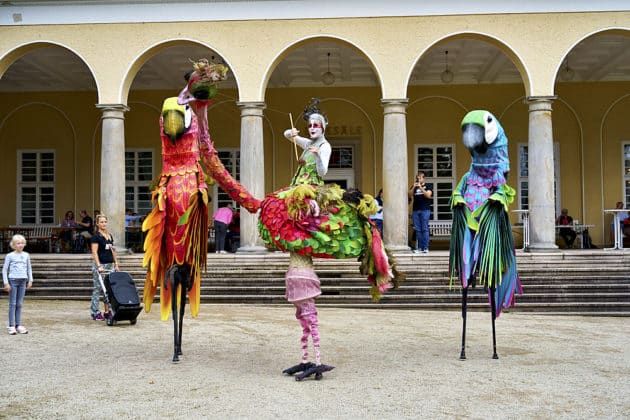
17, 277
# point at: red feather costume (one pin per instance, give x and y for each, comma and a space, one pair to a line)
177, 228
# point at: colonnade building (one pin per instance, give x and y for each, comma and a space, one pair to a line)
82, 85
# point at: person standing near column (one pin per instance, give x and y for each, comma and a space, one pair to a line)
420, 193
377, 217
222, 219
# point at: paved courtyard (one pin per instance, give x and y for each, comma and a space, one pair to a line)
390, 364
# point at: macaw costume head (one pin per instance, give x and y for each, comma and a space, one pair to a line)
484, 137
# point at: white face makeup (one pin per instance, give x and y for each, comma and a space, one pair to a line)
315, 129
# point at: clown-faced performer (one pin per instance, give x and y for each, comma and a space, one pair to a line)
313, 164
302, 283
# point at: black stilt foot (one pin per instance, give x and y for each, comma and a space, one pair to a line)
175, 358
298, 368
494, 317
317, 370
462, 355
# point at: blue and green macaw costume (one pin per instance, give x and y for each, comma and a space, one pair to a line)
481, 241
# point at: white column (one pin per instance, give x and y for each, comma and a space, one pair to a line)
113, 170
542, 217
395, 207
252, 171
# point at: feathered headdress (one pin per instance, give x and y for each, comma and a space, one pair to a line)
312, 112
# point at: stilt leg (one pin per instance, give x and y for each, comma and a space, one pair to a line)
182, 310
173, 287
306, 332
462, 355
494, 317
313, 322
306, 313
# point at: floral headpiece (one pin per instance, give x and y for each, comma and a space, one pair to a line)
202, 81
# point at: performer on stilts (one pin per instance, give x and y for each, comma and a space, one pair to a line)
307, 219
302, 283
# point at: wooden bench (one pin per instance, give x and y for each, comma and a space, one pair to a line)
42, 235
35, 236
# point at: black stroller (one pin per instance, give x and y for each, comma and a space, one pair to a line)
121, 294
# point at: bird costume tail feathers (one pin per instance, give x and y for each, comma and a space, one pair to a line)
490, 253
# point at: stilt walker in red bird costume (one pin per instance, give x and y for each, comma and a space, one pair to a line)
177, 228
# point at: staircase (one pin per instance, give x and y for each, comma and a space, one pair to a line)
585, 282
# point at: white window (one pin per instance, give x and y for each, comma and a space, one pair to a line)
626, 173
138, 176
36, 187
523, 176
438, 164
342, 165
231, 159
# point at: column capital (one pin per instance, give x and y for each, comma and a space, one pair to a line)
253, 108
113, 110
540, 103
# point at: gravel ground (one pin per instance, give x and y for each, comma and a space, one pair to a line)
390, 364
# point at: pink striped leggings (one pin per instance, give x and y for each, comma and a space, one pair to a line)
306, 313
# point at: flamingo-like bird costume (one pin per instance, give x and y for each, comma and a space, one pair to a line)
177, 228
481, 239
312, 219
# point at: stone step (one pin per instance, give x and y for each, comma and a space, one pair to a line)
574, 283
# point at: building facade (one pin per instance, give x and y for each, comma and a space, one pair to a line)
82, 88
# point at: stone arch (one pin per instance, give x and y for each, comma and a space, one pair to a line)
21, 50
147, 54
596, 146
604, 31
291, 47
502, 45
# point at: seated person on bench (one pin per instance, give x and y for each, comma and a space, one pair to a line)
566, 233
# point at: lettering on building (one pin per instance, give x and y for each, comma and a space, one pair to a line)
344, 130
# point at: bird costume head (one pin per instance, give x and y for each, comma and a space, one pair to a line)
484, 137
176, 118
